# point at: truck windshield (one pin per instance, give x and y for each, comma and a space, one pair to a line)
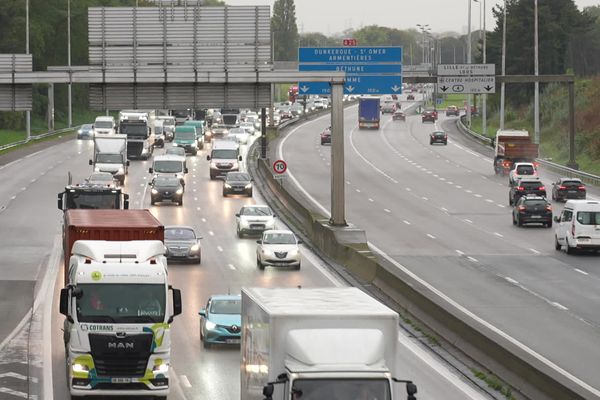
121, 303
103, 124
341, 389
224, 154
168, 167
134, 129
109, 158
104, 200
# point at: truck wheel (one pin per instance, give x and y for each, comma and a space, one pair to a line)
557, 245
250, 193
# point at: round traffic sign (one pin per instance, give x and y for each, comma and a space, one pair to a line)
279, 167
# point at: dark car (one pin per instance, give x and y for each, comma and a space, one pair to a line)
237, 183
568, 188
102, 179
399, 116
525, 186
326, 136
166, 188
452, 110
410, 97
438, 137
182, 244
85, 132
532, 209
428, 115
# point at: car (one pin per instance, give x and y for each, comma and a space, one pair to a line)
182, 244
388, 107
410, 97
86, 131
398, 115
239, 134
278, 248
255, 119
578, 226
166, 188
452, 110
237, 183
221, 320
438, 137
568, 188
249, 127
428, 115
254, 219
520, 170
531, 208
217, 131
525, 186
177, 151
326, 136
318, 104
102, 179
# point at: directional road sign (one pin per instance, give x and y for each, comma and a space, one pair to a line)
466, 69
354, 69
367, 55
467, 84
364, 84
279, 167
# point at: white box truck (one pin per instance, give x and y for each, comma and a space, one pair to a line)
110, 155
315, 344
118, 314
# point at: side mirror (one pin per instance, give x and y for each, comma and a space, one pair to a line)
149, 183
127, 163
177, 307
237, 215
239, 158
300, 242
202, 312
259, 241
150, 171
60, 201
125, 201
91, 162
64, 303
556, 218
411, 390
207, 158
268, 391
185, 170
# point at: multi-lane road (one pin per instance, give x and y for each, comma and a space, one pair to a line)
30, 258
442, 213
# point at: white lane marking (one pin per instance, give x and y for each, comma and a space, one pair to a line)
501, 205
386, 210
13, 197
581, 271
460, 253
197, 208
18, 376
472, 259
478, 195
511, 280
15, 393
468, 191
489, 200
371, 200
23, 189
498, 234
435, 175
195, 199
357, 190
442, 179
458, 187
347, 182
535, 251
429, 235
220, 248
211, 233
142, 185
231, 267
365, 159
425, 198
559, 306
203, 219
318, 263
408, 189
406, 222
444, 209
33, 180
185, 381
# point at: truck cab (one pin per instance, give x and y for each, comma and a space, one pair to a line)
118, 308
224, 157
87, 196
110, 155
140, 137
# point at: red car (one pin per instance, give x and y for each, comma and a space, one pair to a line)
326, 136
410, 97
428, 115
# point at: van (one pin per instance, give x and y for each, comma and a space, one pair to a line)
185, 137
199, 125
169, 165
224, 157
578, 226
105, 125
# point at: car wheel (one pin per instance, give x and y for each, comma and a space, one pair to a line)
519, 222
510, 202
240, 234
514, 220
297, 267
181, 202
250, 193
569, 249
557, 245
224, 193
152, 202
549, 224
259, 264
212, 177
205, 344
198, 260
553, 197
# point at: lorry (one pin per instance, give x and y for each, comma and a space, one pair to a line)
112, 225
224, 157
104, 125
138, 126
88, 196
369, 112
169, 164
110, 155
512, 146
118, 307
321, 343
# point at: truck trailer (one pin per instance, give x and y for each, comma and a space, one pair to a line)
510, 147
369, 112
111, 225
118, 307
314, 344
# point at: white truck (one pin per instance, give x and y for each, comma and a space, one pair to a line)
169, 164
314, 344
104, 125
110, 155
118, 314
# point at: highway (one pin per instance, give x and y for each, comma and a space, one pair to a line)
30, 223
442, 213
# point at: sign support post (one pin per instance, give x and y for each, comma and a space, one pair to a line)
338, 187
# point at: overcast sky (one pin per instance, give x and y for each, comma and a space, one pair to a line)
333, 16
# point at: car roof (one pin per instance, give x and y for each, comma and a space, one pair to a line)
169, 157
226, 297
534, 197
225, 145
571, 179
256, 206
279, 231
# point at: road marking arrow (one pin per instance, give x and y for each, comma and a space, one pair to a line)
488, 87
350, 88
395, 88
304, 89
444, 88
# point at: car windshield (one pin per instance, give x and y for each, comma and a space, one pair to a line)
251, 118
525, 170
179, 234
166, 181
230, 306
237, 176
279, 238
217, 126
109, 158
168, 167
86, 127
439, 133
103, 124
121, 303
168, 120
531, 185
225, 154
572, 183
133, 129
256, 211
588, 217
342, 389
185, 135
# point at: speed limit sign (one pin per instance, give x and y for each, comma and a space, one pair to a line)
279, 167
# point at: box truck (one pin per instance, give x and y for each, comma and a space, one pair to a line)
512, 146
110, 155
314, 344
369, 112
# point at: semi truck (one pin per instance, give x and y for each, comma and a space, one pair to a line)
369, 112
111, 225
118, 307
322, 343
110, 155
88, 196
137, 125
510, 147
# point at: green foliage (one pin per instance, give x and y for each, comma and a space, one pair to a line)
285, 30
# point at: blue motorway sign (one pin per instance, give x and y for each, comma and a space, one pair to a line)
363, 84
354, 69
350, 55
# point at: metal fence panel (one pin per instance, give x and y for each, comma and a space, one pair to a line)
15, 97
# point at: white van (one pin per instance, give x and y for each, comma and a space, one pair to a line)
578, 226
169, 165
104, 125
224, 157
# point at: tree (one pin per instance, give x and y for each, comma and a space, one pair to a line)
285, 31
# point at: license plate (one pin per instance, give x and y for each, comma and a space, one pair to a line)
233, 341
120, 380
536, 216
572, 191
584, 240
238, 189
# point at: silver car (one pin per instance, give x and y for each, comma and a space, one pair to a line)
254, 219
278, 248
182, 244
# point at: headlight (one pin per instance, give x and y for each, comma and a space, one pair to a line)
154, 191
80, 131
174, 144
210, 325
235, 165
227, 186
248, 186
160, 368
121, 171
195, 248
213, 165
179, 191
293, 253
80, 368
97, 169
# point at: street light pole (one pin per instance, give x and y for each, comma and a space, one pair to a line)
27, 113
70, 101
503, 67
469, 62
536, 99
484, 106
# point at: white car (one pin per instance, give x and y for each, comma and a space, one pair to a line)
249, 127
254, 219
240, 134
521, 169
578, 226
278, 248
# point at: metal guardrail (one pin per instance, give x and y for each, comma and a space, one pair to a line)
560, 169
37, 137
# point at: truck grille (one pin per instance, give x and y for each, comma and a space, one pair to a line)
121, 356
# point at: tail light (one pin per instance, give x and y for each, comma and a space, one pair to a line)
581, 187
536, 165
520, 188
561, 187
549, 207
506, 164
521, 208
542, 188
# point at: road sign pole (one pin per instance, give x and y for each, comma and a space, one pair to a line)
337, 156
263, 136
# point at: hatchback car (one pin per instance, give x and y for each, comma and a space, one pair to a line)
428, 116
410, 97
388, 107
525, 186
399, 116
221, 320
85, 132
278, 248
568, 188
438, 137
178, 151
326, 136
452, 110
254, 219
249, 127
239, 134
237, 183
102, 179
521, 170
182, 244
532, 209
166, 188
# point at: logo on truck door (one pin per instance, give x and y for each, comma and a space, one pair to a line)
96, 275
